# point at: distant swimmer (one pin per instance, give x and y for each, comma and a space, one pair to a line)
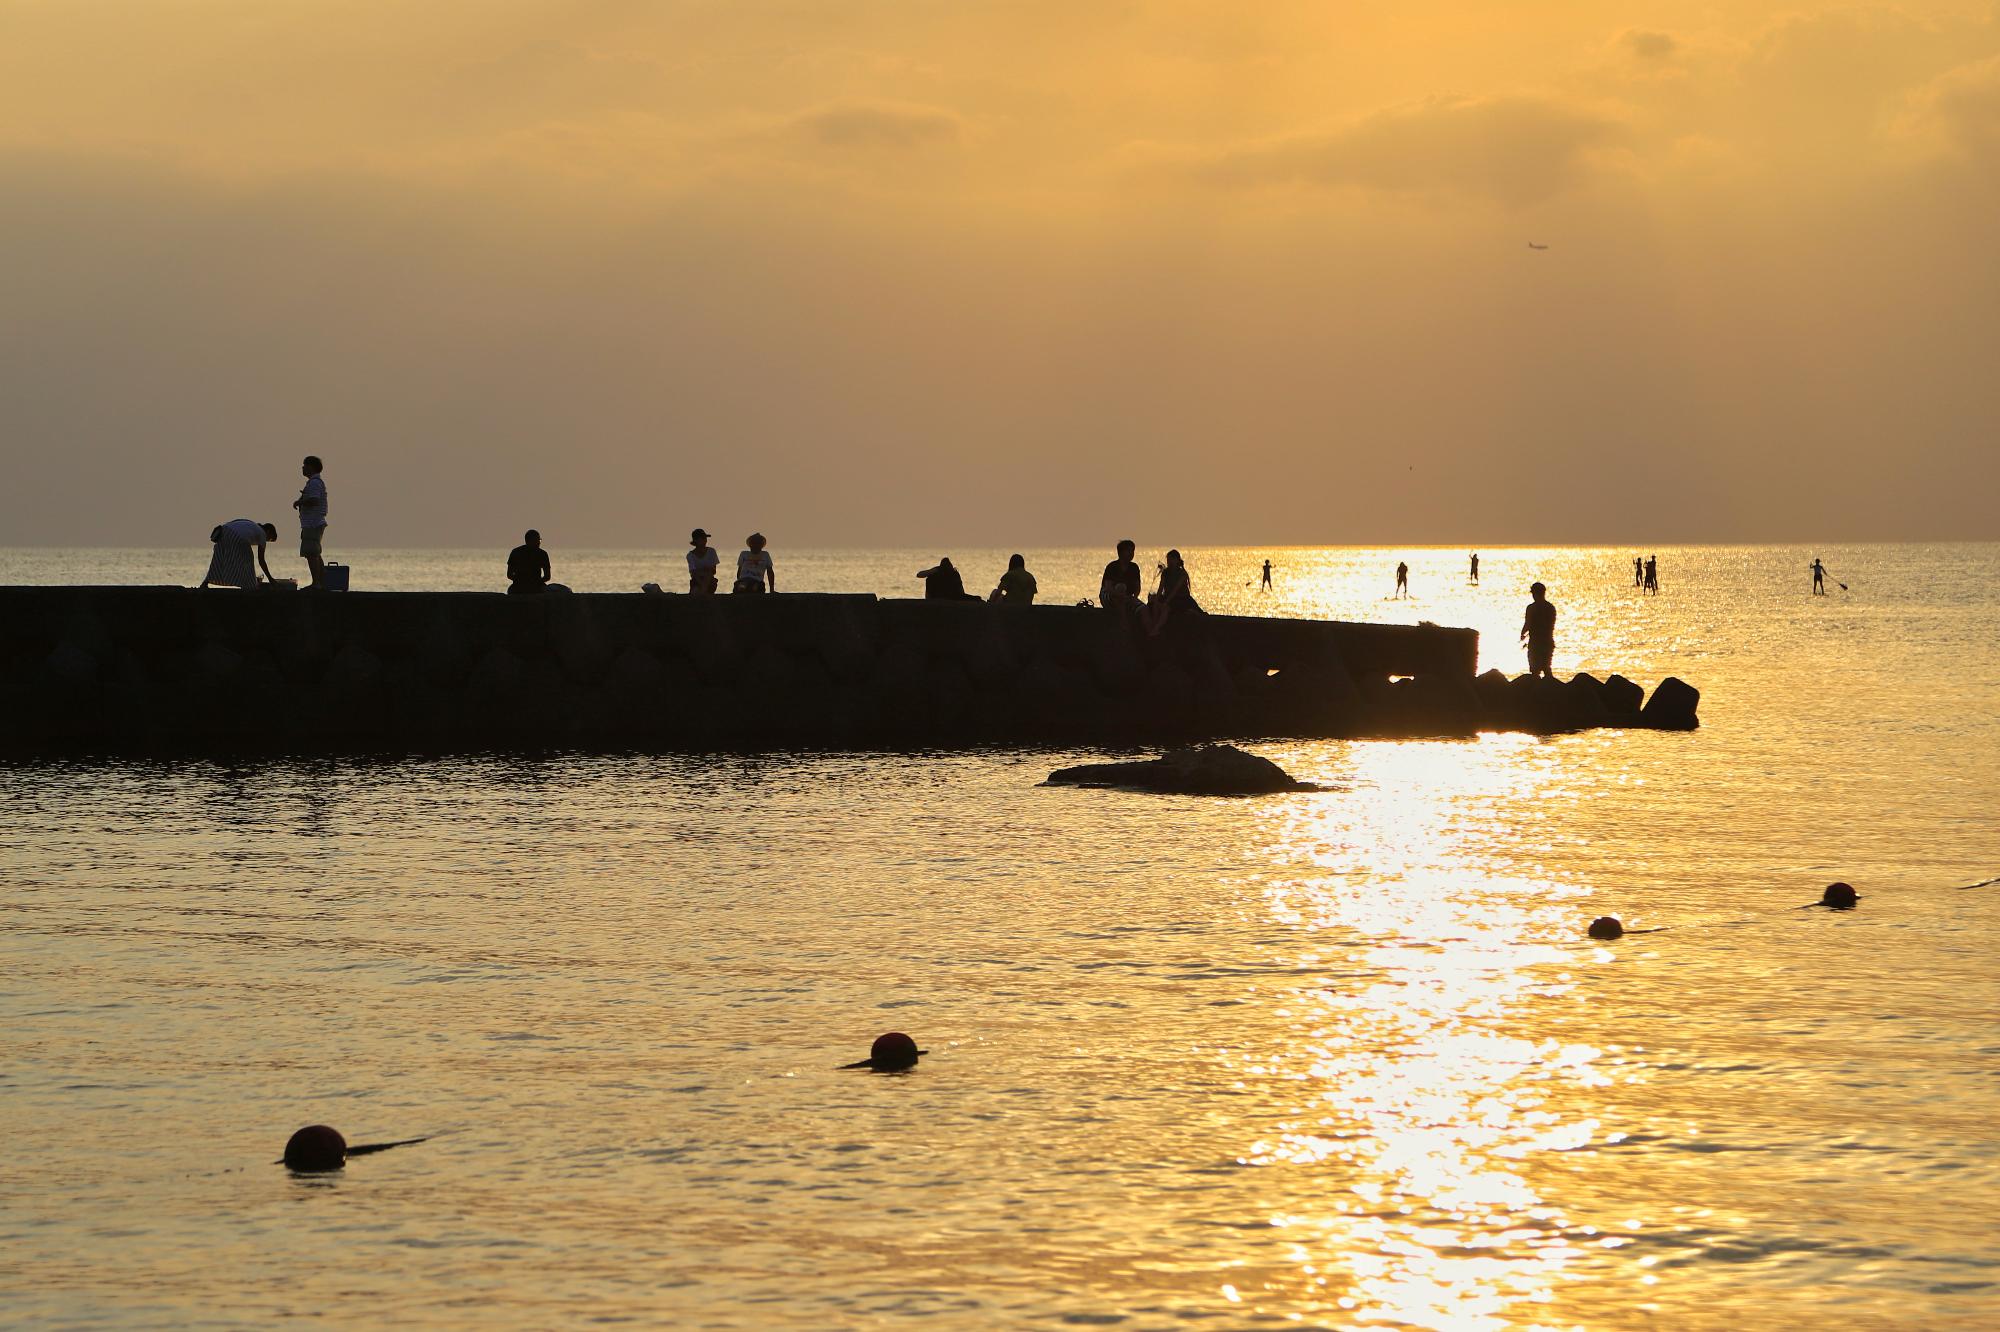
1538, 630
1267, 577
1475, 567
1402, 579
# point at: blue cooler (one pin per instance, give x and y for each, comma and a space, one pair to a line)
336, 578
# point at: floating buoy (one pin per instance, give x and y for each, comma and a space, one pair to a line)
1839, 896
316, 1147
1606, 927
892, 1052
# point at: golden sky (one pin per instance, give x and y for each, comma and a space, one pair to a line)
1006, 272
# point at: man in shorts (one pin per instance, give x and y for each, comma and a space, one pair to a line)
311, 505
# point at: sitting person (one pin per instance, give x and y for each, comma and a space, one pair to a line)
528, 566
235, 541
702, 561
943, 583
1120, 584
1175, 592
753, 567
1017, 585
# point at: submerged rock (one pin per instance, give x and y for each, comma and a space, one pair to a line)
1204, 770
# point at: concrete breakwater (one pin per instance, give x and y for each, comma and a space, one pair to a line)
121, 668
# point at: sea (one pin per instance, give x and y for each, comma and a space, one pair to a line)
1342, 1058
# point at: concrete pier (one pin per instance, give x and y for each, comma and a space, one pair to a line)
173, 669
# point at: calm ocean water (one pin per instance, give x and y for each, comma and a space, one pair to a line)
1338, 1059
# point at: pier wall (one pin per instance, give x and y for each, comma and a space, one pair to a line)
130, 668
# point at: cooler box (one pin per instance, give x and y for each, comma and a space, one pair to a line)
336, 578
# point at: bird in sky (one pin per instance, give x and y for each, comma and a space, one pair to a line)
1533, 246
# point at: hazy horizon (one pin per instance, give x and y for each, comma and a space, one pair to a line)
1001, 273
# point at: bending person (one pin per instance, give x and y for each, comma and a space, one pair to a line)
231, 564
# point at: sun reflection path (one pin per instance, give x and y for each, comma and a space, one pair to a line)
1420, 1063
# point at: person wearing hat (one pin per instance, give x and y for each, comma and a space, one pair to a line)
702, 562
1538, 629
753, 566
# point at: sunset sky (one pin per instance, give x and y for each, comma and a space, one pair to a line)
1000, 271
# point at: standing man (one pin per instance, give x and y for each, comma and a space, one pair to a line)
1538, 630
702, 562
528, 566
311, 505
1402, 579
1653, 574
1475, 568
1819, 577
1267, 577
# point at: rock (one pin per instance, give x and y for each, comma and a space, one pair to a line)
1585, 699
1622, 699
1672, 706
1204, 770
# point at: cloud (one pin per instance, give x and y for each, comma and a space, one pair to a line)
1962, 106
1516, 150
877, 125
1651, 47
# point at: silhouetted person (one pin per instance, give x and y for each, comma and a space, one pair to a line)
528, 566
702, 562
1475, 567
1267, 577
1017, 585
754, 571
1174, 594
1653, 574
1538, 629
943, 583
1402, 579
311, 505
1121, 583
236, 543
1638, 572
1819, 577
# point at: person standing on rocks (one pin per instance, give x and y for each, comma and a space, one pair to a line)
1538, 630
703, 560
528, 566
311, 505
753, 567
235, 541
